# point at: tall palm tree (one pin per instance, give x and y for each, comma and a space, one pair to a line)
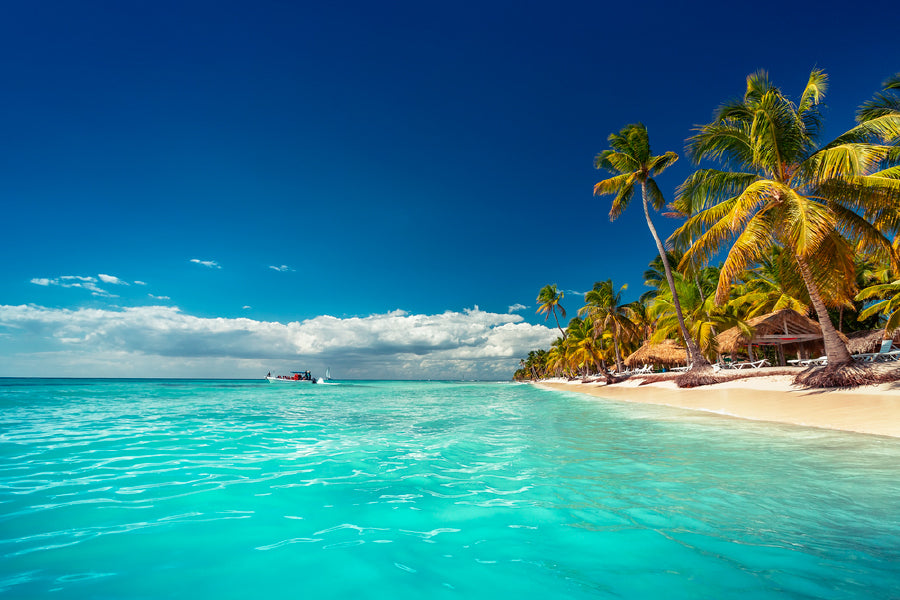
631, 162
604, 306
549, 300
784, 190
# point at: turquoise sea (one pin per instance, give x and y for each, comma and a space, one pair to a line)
243, 489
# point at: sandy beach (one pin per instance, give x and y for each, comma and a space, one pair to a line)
867, 409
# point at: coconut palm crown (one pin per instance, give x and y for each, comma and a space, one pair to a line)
549, 302
633, 165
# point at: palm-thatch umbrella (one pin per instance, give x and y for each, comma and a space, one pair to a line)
667, 353
862, 342
784, 328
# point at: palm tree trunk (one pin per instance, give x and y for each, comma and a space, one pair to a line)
558, 325
619, 366
696, 357
835, 348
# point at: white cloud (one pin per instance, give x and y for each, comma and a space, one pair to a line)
75, 281
281, 269
471, 344
111, 279
517, 308
206, 263
139, 283
246, 307
159, 297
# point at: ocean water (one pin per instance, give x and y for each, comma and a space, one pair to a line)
239, 489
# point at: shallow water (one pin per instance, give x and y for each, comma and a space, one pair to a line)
235, 489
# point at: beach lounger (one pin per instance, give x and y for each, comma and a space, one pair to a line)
887, 353
821, 361
756, 364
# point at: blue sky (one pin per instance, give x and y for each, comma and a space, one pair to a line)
219, 188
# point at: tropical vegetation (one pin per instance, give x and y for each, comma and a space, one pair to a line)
772, 217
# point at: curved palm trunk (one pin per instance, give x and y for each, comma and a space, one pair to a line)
694, 355
558, 325
835, 348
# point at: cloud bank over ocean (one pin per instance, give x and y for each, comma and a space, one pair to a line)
162, 341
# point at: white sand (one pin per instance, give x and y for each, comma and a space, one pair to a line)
867, 409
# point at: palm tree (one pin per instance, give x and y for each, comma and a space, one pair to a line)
889, 306
774, 284
784, 190
549, 299
604, 306
632, 163
705, 320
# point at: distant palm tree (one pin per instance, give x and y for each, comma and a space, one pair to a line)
784, 190
633, 164
549, 301
604, 306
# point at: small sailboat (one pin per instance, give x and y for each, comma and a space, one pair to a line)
327, 379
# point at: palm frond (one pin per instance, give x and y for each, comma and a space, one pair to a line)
658, 164
655, 195
721, 141
883, 103
705, 187
751, 245
623, 197
616, 162
814, 91
612, 185
806, 223
843, 160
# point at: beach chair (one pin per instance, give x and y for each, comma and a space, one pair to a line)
755, 365
821, 361
887, 353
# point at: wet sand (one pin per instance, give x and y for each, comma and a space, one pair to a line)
867, 409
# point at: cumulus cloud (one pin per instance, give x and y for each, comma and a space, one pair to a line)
281, 269
75, 281
517, 307
139, 283
469, 344
206, 263
159, 297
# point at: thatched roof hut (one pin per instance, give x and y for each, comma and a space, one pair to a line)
868, 341
787, 329
667, 353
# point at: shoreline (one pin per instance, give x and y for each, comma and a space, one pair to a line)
871, 410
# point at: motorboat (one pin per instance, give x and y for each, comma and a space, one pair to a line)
294, 377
